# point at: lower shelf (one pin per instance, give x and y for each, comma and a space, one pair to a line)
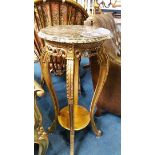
81, 117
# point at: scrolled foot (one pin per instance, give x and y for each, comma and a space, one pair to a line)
99, 133
43, 146
96, 131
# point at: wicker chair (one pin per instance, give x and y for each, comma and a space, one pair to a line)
56, 12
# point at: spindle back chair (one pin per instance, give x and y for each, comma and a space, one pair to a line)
56, 12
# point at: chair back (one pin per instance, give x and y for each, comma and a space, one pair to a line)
56, 12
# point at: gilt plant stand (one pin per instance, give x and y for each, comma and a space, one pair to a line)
73, 42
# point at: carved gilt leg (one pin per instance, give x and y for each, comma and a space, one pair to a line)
79, 89
42, 80
79, 85
72, 76
48, 81
104, 68
40, 136
76, 80
43, 146
37, 114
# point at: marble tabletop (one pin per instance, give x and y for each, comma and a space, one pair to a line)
74, 34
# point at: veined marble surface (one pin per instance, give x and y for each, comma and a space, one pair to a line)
74, 34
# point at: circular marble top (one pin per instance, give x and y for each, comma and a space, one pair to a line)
74, 34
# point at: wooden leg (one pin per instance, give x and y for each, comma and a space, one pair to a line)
42, 80
43, 146
79, 86
40, 136
72, 77
70, 96
104, 68
76, 80
48, 81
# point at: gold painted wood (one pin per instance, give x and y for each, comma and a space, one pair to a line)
70, 93
40, 136
103, 73
81, 117
46, 76
75, 117
76, 80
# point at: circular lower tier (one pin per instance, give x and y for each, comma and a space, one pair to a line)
81, 117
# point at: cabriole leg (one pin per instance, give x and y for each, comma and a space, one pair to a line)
104, 68
48, 81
